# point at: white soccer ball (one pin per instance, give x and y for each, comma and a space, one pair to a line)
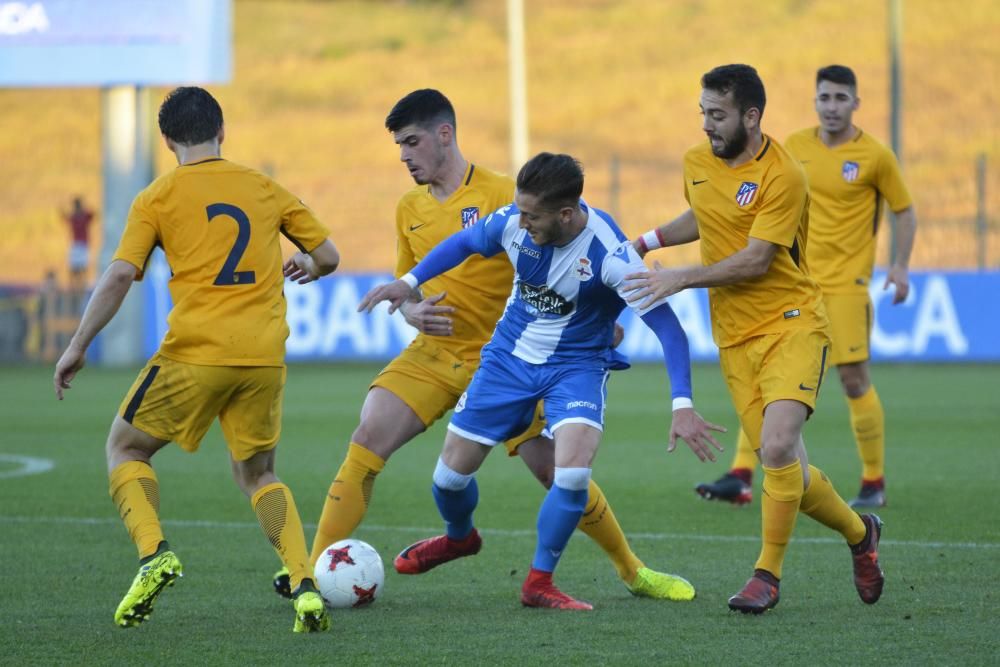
349, 573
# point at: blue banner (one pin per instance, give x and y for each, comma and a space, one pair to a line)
949, 316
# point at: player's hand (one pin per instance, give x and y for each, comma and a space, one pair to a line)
899, 277
651, 286
618, 336
396, 293
696, 432
301, 268
428, 317
69, 364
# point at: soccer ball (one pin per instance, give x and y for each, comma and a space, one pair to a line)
349, 573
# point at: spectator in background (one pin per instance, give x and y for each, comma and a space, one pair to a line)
79, 219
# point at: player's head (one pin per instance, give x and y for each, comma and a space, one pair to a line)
423, 124
836, 97
189, 116
732, 103
548, 195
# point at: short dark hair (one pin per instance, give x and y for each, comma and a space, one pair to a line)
190, 115
556, 179
740, 80
837, 74
425, 107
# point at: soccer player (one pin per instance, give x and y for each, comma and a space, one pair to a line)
427, 378
224, 353
750, 209
553, 343
850, 174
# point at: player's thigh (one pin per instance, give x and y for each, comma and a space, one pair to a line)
850, 327
536, 434
174, 401
793, 365
739, 369
499, 403
576, 396
387, 423
463, 455
251, 417
576, 445
127, 443
427, 378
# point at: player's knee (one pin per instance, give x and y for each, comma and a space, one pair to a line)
854, 379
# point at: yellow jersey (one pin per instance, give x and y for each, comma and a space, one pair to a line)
766, 198
219, 224
847, 184
478, 287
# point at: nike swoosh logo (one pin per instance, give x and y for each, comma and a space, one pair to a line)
854, 348
416, 227
704, 180
805, 388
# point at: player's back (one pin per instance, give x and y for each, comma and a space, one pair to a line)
219, 224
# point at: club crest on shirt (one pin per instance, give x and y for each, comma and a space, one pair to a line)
746, 193
850, 171
583, 271
470, 214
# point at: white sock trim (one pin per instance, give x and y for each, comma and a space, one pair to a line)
572, 479
448, 479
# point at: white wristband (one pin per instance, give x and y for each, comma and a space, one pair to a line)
651, 240
410, 280
682, 402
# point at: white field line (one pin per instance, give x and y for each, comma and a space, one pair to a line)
243, 525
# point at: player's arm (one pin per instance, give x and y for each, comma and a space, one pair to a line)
481, 238
751, 262
305, 267
899, 272
104, 303
686, 424
682, 229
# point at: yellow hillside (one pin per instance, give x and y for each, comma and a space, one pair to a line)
314, 80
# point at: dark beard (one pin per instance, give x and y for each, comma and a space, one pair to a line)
731, 148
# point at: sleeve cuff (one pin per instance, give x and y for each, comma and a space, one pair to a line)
410, 280
682, 402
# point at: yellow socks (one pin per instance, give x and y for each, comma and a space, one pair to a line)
779, 506
280, 520
745, 457
822, 503
868, 423
599, 523
348, 498
136, 493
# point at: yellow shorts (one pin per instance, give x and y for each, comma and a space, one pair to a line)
850, 327
430, 380
761, 370
175, 401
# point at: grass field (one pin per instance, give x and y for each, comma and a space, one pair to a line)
67, 560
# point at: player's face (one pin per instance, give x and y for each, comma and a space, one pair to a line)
723, 123
422, 152
835, 106
543, 225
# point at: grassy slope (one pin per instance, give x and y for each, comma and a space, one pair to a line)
313, 81
67, 559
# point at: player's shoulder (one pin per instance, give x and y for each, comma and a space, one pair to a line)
605, 229
802, 139
700, 154
503, 215
872, 145
486, 176
782, 165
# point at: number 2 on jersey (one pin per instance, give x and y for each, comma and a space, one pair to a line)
229, 275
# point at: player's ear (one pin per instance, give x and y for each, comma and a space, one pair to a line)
446, 133
752, 118
222, 133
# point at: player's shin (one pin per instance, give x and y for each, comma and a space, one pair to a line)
779, 506
868, 424
279, 518
347, 499
136, 493
600, 524
456, 495
559, 515
822, 503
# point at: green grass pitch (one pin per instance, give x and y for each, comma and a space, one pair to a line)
67, 560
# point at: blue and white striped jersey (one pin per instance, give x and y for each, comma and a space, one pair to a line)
565, 299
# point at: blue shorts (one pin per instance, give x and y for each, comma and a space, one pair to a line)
502, 396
